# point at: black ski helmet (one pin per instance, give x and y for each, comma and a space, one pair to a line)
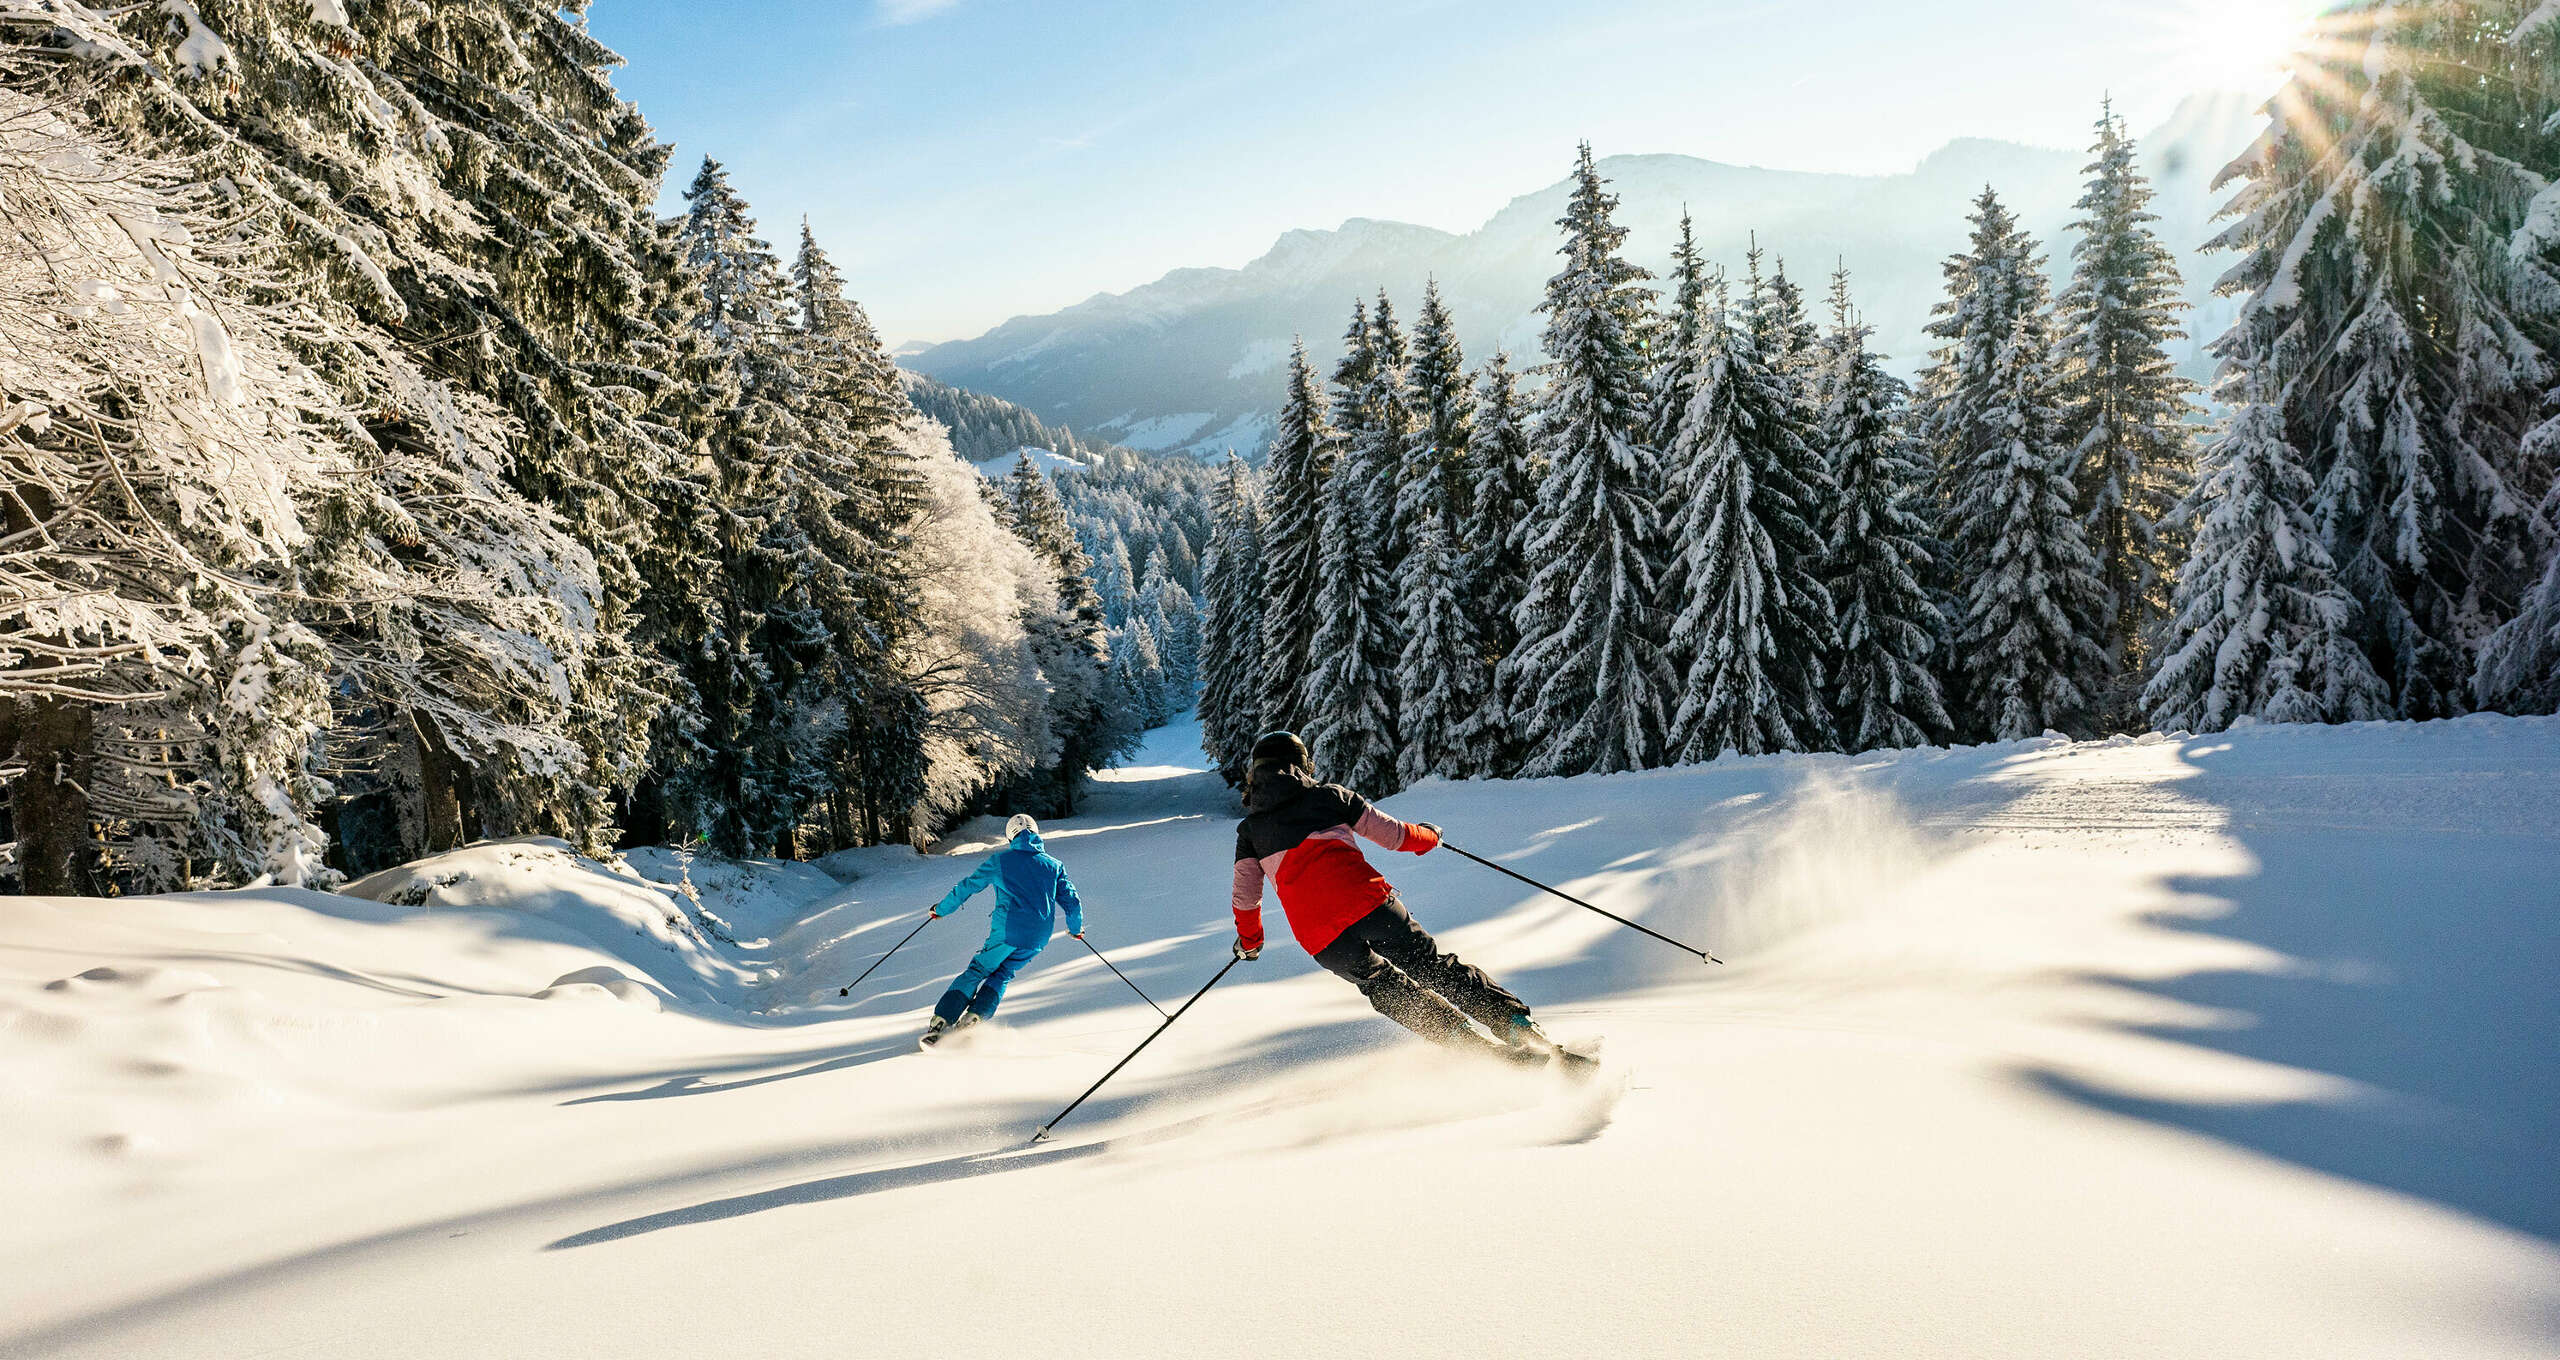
1281, 750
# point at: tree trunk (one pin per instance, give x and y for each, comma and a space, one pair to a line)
50, 804
440, 799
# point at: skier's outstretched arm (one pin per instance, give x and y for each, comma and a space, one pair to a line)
1414, 838
967, 888
1073, 905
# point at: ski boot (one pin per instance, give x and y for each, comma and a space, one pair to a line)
967, 1018
1524, 1033
1531, 1046
934, 1029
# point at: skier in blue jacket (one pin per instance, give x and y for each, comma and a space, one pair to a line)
1030, 889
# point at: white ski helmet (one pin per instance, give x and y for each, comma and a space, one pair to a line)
1022, 821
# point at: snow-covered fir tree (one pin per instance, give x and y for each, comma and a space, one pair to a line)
2030, 640
2019, 576
1494, 554
1231, 625
1444, 678
1138, 674
2262, 628
1588, 686
1884, 684
1173, 620
1753, 620
1436, 481
1379, 449
1671, 382
761, 673
1350, 724
1785, 328
1068, 641
460, 171
988, 714
1351, 375
1294, 481
247, 549
1443, 681
2124, 405
623, 522
2519, 667
2387, 313
1990, 284
1116, 581
855, 498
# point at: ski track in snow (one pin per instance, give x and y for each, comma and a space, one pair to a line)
2237, 1045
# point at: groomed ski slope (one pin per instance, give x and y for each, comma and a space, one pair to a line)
2236, 1046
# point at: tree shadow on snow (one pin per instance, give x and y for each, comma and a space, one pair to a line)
702, 1083
2418, 965
1294, 1117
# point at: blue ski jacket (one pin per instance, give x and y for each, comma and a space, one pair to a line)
1030, 889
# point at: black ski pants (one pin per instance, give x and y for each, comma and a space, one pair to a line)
1399, 967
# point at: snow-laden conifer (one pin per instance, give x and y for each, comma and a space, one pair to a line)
1294, 480
1671, 383
1588, 686
1753, 620
1494, 553
2030, 640
2026, 649
2262, 628
2125, 406
1350, 723
1231, 625
1884, 688
2389, 315
1437, 477
1068, 641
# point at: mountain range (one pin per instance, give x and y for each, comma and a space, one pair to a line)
1194, 361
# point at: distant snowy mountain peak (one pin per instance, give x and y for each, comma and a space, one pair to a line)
1193, 361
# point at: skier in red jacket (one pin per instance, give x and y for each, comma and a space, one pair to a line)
1298, 835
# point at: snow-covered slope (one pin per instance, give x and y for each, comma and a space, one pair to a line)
995, 469
1193, 362
2241, 1045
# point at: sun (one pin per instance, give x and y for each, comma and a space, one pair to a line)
2239, 44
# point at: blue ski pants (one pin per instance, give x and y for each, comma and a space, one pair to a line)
980, 986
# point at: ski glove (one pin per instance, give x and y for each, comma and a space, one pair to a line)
1244, 953
1421, 838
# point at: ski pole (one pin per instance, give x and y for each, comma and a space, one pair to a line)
1115, 972
847, 989
1703, 955
1043, 1134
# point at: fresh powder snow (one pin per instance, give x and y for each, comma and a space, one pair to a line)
2237, 1045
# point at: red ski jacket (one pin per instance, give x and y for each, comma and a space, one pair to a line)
1298, 835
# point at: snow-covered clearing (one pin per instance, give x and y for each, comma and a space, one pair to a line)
2242, 1045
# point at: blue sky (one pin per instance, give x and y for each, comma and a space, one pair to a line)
970, 160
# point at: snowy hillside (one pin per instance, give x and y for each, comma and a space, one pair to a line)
1052, 463
1193, 362
2232, 1046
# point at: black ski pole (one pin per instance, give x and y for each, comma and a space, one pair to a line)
1043, 1134
847, 989
1115, 972
1569, 897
